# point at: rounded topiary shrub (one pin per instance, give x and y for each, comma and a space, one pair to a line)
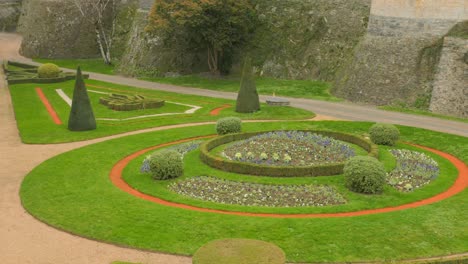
165, 165
384, 134
48, 70
364, 174
228, 125
239, 251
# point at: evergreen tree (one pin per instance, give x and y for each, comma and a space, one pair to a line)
247, 99
81, 115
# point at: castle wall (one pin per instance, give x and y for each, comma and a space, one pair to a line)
450, 93
55, 29
10, 11
398, 58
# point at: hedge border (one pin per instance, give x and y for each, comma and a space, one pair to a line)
29, 68
280, 171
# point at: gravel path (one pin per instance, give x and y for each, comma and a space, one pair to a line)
23, 239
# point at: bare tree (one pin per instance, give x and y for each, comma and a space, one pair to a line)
103, 15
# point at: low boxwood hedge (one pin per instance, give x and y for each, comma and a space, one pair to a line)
280, 171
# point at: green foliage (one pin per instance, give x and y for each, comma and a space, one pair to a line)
218, 26
239, 251
48, 70
81, 116
228, 125
364, 175
247, 99
166, 165
121, 102
384, 134
279, 171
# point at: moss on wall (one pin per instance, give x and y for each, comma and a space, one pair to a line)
9, 15
55, 29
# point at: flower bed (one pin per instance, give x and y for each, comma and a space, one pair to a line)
254, 194
322, 169
413, 170
289, 148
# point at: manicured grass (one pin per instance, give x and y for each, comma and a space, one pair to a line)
73, 192
89, 65
36, 126
265, 86
421, 112
194, 167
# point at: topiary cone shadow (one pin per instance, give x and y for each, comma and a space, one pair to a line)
81, 115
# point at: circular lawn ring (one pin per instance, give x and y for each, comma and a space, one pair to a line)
280, 171
239, 251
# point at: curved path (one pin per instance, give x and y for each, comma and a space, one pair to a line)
23, 239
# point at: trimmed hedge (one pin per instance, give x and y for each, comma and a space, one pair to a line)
384, 134
48, 70
280, 171
29, 74
228, 125
239, 251
364, 175
166, 165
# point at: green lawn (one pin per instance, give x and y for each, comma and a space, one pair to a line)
36, 126
421, 112
73, 192
89, 65
267, 86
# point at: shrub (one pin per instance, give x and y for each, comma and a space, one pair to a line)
228, 125
384, 134
165, 165
364, 175
81, 116
48, 70
247, 98
239, 251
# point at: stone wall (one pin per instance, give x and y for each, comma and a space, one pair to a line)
398, 58
314, 44
10, 11
55, 29
145, 55
450, 94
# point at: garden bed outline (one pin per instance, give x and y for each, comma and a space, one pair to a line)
459, 185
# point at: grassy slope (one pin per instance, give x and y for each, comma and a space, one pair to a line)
73, 192
36, 126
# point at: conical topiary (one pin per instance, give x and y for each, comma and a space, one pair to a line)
81, 114
247, 99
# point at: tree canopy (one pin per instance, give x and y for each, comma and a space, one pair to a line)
218, 26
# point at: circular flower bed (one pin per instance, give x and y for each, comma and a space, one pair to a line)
413, 170
254, 194
289, 148
319, 152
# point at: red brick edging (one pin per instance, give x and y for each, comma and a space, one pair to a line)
216, 111
460, 184
48, 106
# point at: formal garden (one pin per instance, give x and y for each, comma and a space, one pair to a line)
321, 191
